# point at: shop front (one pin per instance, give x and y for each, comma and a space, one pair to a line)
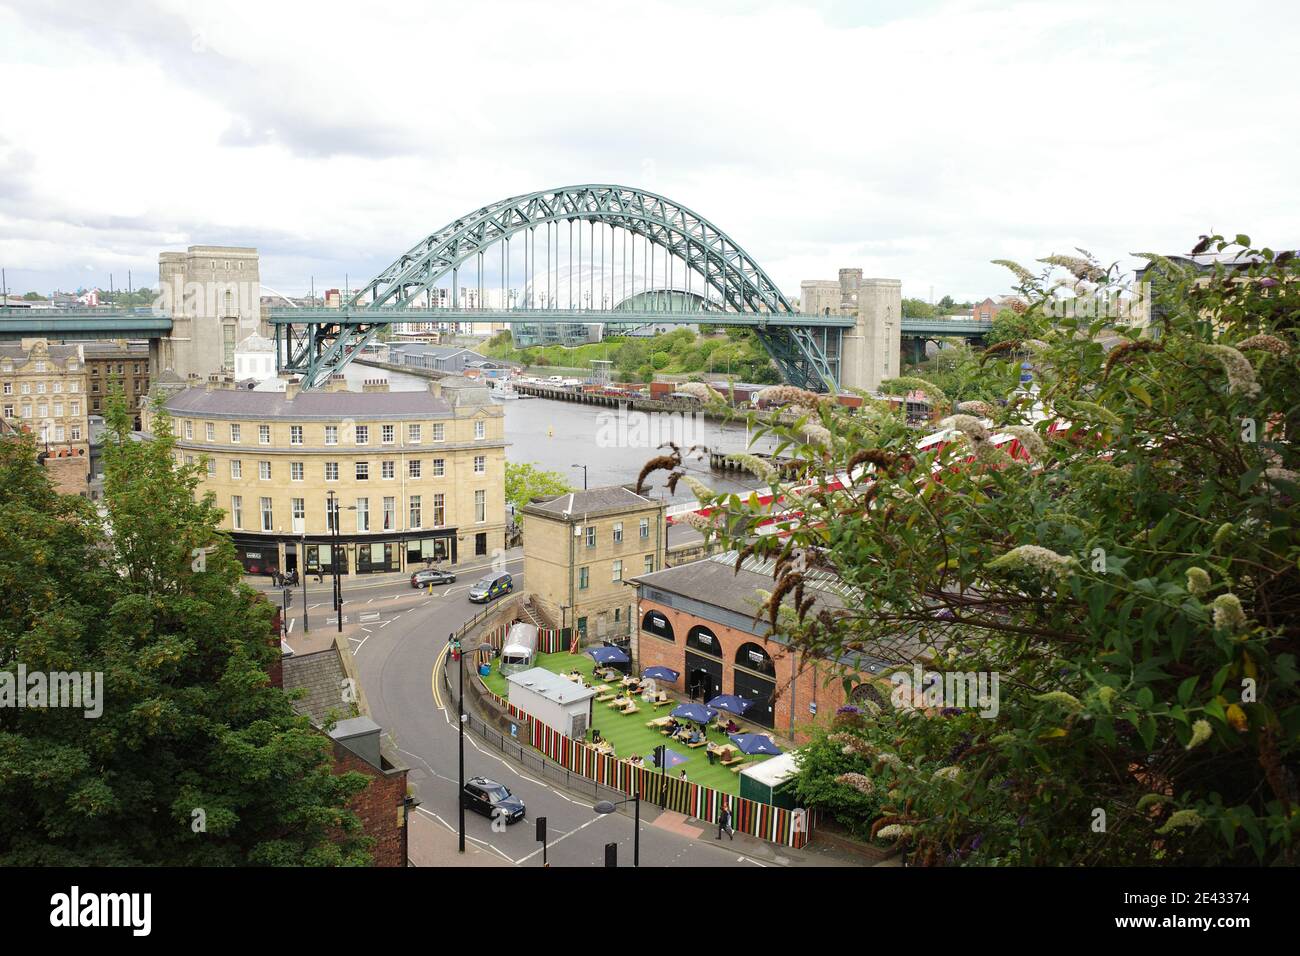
257, 556
432, 548
754, 678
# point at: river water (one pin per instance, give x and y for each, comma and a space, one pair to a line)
555, 436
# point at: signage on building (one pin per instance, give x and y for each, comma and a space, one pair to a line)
757, 657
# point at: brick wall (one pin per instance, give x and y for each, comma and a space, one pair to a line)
69, 475
800, 682
379, 806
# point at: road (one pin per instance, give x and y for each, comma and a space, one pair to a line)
399, 657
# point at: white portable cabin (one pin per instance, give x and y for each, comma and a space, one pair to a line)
519, 649
554, 700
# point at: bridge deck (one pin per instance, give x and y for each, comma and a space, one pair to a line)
82, 324
388, 316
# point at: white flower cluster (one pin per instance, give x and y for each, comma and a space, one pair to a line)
1228, 615
1241, 374
1031, 557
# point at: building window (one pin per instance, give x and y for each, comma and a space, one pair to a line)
9, 411
264, 434
390, 514
212, 464
415, 511
439, 467
363, 471
439, 511
658, 625
480, 505
236, 469
413, 468
27, 388
480, 464
387, 434
649, 563
584, 576
363, 514
58, 436
264, 470
413, 434
331, 471
9, 388
480, 429
40, 388
363, 434
236, 512
76, 408
331, 514
299, 512
618, 532
331, 434
645, 528
189, 429
295, 434
387, 469
591, 536
210, 432
616, 572
295, 471
58, 409
234, 434
40, 366
73, 388
57, 388
268, 520
438, 431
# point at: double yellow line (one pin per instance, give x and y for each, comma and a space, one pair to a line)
439, 662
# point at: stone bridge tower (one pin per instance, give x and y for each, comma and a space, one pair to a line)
872, 350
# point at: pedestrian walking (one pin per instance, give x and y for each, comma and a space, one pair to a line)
724, 823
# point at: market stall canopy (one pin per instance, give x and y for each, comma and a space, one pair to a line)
661, 673
696, 712
607, 655
755, 744
731, 703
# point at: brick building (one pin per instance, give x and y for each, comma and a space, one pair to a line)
699, 620
332, 698
117, 366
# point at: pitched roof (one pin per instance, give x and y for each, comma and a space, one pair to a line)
591, 502
245, 403
321, 675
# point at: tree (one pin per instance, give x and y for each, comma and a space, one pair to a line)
196, 759
525, 481
1008, 326
33, 297
917, 309
1130, 576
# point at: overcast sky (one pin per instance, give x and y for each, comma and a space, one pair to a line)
913, 140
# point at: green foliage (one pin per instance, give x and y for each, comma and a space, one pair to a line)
1136, 586
525, 481
1010, 327
189, 722
917, 309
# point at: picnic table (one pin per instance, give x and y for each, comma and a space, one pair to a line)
659, 722
604, 747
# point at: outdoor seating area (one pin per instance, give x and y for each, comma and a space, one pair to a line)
700, 746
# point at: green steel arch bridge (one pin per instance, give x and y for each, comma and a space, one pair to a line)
606, 252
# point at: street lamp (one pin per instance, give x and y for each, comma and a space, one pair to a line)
334, 510
607, 806
584, 475
460, 723
302, 572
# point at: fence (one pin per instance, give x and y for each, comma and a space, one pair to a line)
552, 755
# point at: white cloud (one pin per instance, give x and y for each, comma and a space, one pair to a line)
913, 142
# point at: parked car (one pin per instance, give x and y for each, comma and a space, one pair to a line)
426, 576
490, 799
490, 587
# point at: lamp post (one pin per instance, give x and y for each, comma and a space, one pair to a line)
460, 723
584, 475
607, 806
302, 572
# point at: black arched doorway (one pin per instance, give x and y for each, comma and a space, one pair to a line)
755, 679
703, 664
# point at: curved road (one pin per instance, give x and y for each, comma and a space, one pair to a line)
399, 660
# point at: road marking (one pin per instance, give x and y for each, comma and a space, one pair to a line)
371, 601
452, 829
361, 645
559, 839
289, 629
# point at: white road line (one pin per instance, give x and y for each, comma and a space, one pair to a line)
362, 644
371, 601
289, 629
559, 839
467, 836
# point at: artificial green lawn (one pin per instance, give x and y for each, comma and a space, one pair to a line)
628, 732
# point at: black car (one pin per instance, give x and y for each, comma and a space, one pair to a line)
426, 576
491, 799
